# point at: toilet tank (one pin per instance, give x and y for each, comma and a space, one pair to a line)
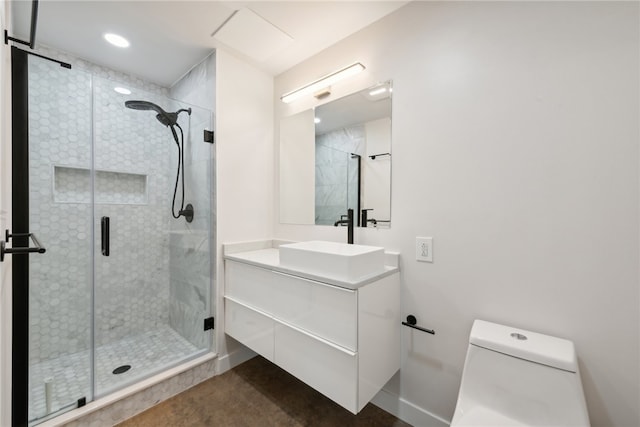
517, 377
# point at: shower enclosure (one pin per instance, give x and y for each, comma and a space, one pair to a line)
123, 289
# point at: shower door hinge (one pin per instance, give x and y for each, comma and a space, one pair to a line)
82, 401
208, 136
208, 323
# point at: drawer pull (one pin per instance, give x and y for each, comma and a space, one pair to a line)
315, 282
317, 338
245, 305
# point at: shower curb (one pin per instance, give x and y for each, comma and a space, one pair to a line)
126, 403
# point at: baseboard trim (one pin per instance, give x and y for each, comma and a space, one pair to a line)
407, 411
231, 360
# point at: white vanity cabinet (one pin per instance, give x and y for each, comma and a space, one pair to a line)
343, 342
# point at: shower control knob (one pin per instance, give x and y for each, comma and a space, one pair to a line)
187, 212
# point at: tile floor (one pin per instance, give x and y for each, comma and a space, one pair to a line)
147, 353
257, 393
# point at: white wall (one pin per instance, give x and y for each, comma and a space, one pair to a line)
515, 145
298, 169
5, 219
376, 172
244, 171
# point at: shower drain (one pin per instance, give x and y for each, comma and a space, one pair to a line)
121, 369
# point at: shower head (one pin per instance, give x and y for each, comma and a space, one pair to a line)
167, 119
143, 105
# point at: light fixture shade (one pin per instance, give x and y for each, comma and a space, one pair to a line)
323, 82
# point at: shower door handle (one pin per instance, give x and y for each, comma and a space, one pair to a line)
104, 233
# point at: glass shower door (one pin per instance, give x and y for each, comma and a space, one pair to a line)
152, 271
60, 213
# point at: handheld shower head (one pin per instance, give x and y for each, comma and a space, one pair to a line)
143, 105
170, 120
167, 119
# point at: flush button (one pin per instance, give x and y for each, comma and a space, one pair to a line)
518, 336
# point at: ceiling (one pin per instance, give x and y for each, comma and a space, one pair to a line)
169, 37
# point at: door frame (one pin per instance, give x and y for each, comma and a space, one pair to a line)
20, 225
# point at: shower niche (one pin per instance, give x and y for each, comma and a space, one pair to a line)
143, 306
73, 185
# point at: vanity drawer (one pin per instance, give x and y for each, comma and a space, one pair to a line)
250, 327
250, 285
324, 366
329, 312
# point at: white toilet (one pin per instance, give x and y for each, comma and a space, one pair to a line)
513, 377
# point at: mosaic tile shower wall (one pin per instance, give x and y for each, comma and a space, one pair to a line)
132, 187
132, 283
60, 282
337, 172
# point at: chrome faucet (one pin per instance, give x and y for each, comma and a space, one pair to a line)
349, 223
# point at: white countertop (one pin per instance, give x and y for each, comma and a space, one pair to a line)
259, 254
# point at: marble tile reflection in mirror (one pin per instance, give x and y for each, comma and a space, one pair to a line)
338, 157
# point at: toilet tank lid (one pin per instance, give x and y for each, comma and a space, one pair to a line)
544, 349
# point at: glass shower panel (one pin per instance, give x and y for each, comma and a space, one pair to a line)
60, 291
190, 244
152, 271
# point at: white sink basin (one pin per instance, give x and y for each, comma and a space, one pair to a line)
338, 261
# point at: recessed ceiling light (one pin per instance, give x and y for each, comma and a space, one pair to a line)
122, 90
116, 40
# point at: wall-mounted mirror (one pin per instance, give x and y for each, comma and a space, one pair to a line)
338, 157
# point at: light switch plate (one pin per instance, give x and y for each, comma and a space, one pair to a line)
424, 249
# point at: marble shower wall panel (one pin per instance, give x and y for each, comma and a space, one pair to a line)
189, 266
190, 262
198, 87
331, 189
336, 176
191, 250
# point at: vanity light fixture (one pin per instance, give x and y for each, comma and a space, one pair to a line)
322, 93
317, 120
323, 82
122, 90
116, 40
378, 91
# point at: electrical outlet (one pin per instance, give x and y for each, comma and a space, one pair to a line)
424, 249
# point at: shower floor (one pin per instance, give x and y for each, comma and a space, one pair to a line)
146, 353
